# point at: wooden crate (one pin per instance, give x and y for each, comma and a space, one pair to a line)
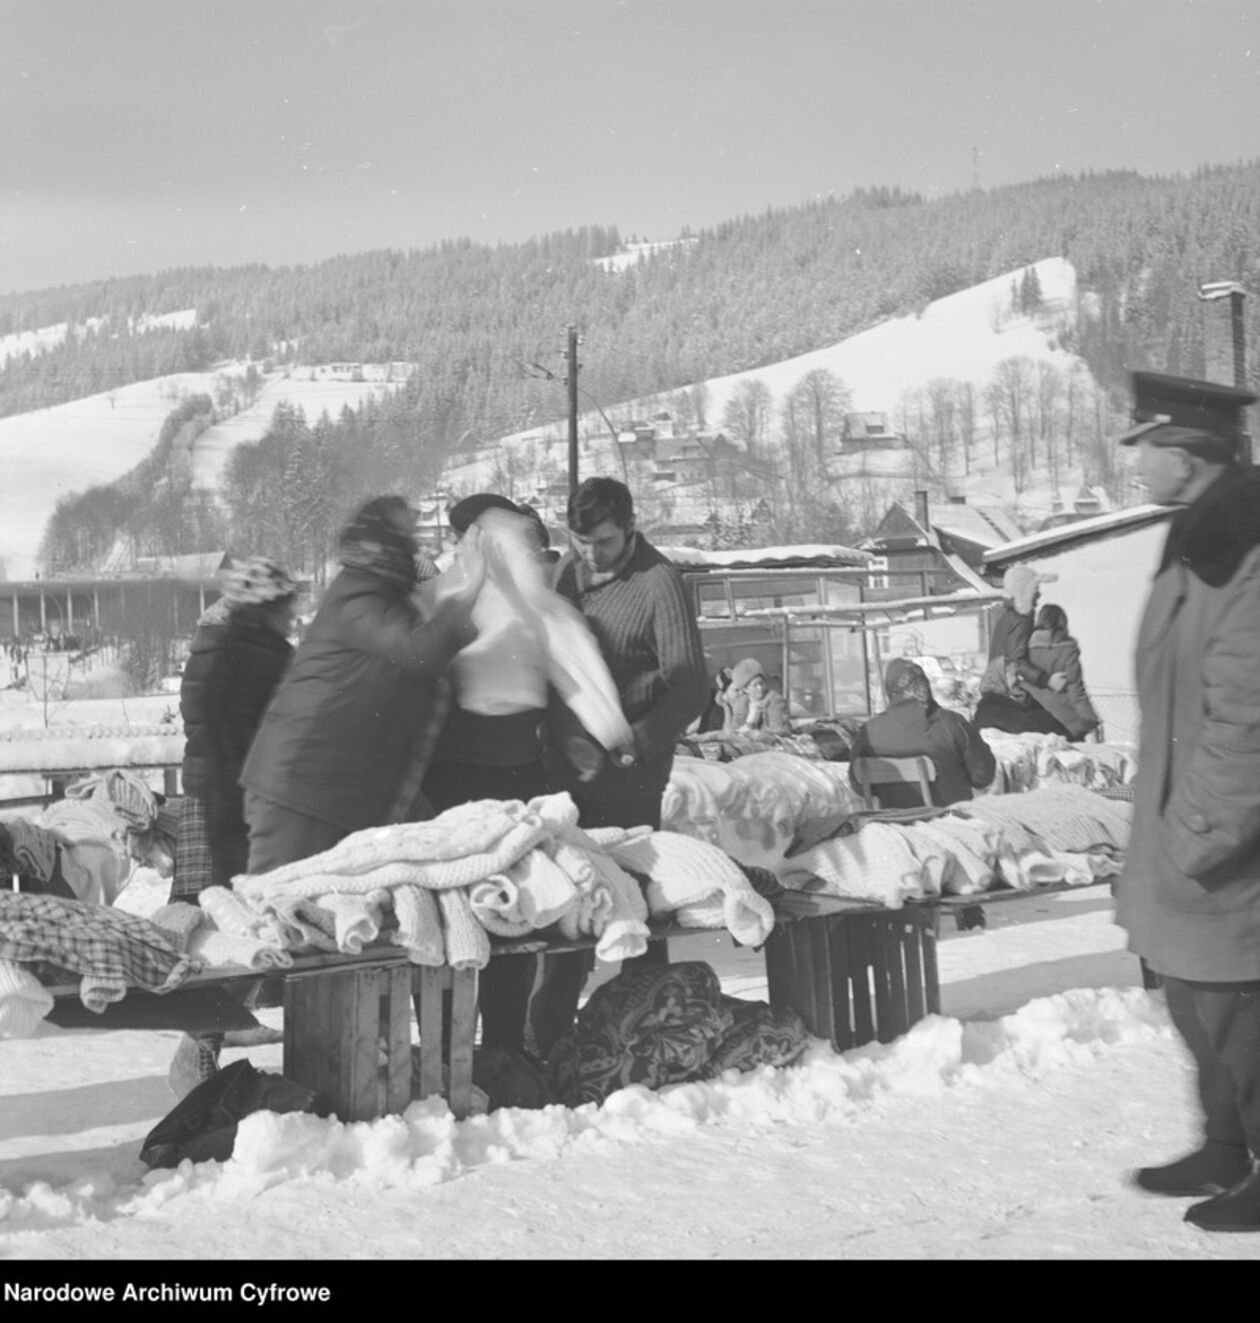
856, 976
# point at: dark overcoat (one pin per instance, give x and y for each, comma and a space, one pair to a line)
233, 667
1189, 895
963, 761
338, 737
1070, 706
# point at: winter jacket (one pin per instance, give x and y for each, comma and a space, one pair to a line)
1189, 895
1070, 706
1009, 639
337, 740
230, 675
906, 728
772, 716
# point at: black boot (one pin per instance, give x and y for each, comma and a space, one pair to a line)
1213, 1169
1236, 1210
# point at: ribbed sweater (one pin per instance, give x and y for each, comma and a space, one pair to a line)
647, 633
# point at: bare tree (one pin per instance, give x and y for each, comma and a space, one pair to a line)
821, 400
941, 398
966, 409
747, 414
1048, 396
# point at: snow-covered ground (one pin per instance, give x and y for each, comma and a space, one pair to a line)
1004, 1128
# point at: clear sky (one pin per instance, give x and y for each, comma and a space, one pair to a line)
137, 135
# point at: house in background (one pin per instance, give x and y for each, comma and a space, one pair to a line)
869, 431
932, 548
1088, 502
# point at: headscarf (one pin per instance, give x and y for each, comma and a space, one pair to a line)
905, 679
372, 541
256, 581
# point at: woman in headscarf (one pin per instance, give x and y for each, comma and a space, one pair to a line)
913, 724
238, 654
343, 742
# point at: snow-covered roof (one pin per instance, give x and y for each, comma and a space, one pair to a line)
814, 555
1082, 530
985, 525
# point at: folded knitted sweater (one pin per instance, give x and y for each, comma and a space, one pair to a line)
1064, 817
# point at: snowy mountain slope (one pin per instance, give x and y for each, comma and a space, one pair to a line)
48, 337
49, 453
314, 390
962, 337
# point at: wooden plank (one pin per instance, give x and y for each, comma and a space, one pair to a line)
462, 1031
895, 929
931, 976
396, 1019
823, 993
880, 978
837, 930
430, 983
309, 1055
357, 999
859, 933
803, 982
912, 938
778, 955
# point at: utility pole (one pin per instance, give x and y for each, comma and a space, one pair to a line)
571, 380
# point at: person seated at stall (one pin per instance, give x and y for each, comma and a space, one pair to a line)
1052, 649
713, 718
913, 724
751, 705
1006, 690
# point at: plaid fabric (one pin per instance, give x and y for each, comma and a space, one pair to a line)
103, 945
193, 863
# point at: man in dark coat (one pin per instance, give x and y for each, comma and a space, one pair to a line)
238, 655
914, 723
637, 605
1189, 895
345, 730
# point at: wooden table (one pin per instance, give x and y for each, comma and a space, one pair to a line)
856, 972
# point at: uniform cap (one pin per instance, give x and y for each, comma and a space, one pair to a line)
1194, 415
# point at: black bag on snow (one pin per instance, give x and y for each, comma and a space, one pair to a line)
202, 1125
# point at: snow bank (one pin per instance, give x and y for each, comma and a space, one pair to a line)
427, 1147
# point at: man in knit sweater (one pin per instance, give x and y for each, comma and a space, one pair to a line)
637, 605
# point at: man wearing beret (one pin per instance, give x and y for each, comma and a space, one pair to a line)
1189, 896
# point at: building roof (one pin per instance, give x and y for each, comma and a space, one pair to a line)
981, 525
1082, 530
811, 554
985, 525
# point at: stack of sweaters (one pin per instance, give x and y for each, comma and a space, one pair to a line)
1056, 834
440, 889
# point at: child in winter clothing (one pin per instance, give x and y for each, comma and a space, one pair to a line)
751, 705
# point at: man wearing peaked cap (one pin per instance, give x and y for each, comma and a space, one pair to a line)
1203, 417
1189, 895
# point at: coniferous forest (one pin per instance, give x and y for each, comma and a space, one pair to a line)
484, 326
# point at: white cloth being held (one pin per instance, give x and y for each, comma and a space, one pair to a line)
529, 637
